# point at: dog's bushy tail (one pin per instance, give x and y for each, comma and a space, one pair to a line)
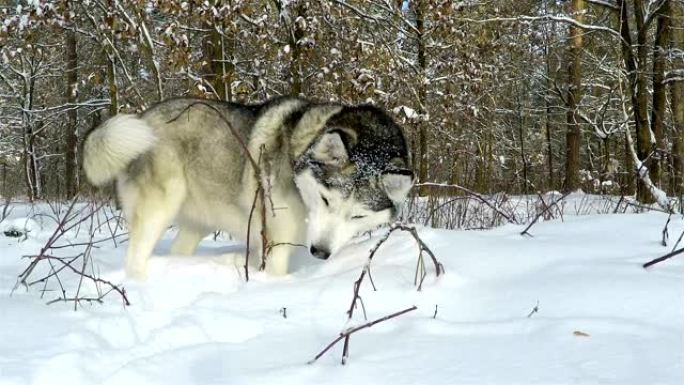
112, 146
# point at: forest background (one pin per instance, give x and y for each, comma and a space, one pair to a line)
496, 96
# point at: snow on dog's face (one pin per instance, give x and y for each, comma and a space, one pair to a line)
334, 216
354, 178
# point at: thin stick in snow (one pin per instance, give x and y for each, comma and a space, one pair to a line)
663, 258
546, 208
473, 194
534, 310
678, 241
347, 333
420, 272
71, 219
666, 233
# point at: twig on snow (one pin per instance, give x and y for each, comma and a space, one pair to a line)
666, 234
439, 268
534, 310
356, 298
546, 208
663, 258
70, 220
347, 333
471, 193
678, 241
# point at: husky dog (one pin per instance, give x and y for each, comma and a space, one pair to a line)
329, 170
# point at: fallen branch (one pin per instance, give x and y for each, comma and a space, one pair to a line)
82, 274
638, 206
679, 240
439, 268
663, 258
347, 333
471, 193
356, 298
422, 247
70, 220
534, 310
546, 208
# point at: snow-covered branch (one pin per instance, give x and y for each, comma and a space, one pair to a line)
544, 18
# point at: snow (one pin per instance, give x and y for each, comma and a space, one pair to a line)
659, 195
408, 112
601, 318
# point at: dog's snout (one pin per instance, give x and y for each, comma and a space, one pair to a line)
319, 252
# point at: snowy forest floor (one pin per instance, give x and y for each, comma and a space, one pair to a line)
601, 318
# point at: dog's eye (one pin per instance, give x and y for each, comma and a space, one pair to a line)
325, 201
358, 216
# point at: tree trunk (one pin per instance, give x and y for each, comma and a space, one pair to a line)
628, 182
71, 138
677, 95
659, 90
29, 164
523, 154
111, 64
640, 92
573, 134
5, 195
297, 33
638, 86
148, 48
214, 70
548, 113
31, 167
551, 184
419, 9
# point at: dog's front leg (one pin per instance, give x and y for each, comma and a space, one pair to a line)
284, 237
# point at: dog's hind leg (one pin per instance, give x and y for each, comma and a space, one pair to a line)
150, 209
187, 240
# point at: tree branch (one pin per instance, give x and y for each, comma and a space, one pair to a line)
347, 333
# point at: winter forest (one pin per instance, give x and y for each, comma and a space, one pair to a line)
540, 244
514, 96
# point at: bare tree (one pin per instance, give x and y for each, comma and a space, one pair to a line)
676, 81
658, 110
71, 179
483, 88
573, 135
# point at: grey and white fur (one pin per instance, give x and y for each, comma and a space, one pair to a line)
331, 170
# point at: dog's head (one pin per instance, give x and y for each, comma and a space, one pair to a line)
354, 176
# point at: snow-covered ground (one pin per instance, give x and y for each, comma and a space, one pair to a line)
601, 318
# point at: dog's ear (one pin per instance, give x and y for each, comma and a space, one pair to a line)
397, 184
330, 149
